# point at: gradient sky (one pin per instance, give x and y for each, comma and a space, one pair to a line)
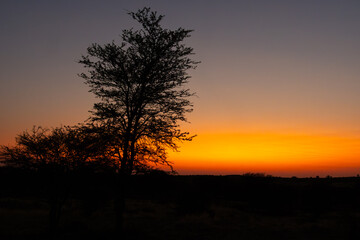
278, 87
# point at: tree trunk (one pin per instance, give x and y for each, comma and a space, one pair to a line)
122, 181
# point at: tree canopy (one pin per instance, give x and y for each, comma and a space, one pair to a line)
61, 149
140, 84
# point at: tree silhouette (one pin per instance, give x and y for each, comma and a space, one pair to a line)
143, 98
63, 149
141, 87
55, 155
140, 84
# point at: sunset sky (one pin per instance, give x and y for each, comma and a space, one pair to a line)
278, 87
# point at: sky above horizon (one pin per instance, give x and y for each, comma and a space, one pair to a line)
277, 88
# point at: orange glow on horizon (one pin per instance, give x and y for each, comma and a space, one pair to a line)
271, 153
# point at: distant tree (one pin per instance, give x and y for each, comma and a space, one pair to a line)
55, 155
62, 149
140, 84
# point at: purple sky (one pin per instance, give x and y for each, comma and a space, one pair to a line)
283, 66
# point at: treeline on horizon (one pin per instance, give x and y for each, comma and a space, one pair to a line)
163, 198
202, 188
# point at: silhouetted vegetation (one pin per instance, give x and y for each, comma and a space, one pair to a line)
141, 86
88, 173
163, 206
55, 156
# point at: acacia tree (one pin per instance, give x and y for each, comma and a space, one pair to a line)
141, 87
62, 149
55, 155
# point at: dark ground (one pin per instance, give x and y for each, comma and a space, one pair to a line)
185, 207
